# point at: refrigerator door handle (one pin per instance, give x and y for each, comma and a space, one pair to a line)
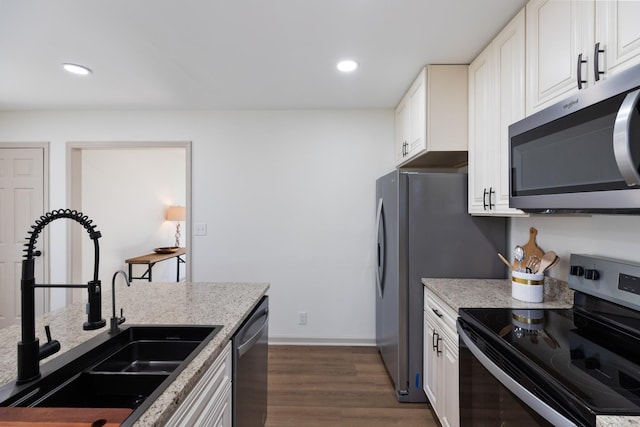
380, 247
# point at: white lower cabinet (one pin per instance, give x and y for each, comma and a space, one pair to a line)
441, 359
210, 401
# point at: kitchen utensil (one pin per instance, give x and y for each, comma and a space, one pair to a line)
553, 264
531, 248
503, 259
533, 263
519, 254
547, 259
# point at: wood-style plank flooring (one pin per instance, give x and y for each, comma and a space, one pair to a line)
313, 386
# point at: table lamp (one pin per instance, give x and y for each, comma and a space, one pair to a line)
177, 213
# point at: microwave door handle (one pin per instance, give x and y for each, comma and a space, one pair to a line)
544, 410
622, 139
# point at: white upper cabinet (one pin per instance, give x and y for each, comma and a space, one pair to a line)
559, 36
572, 44
496, 99
617, 35
431, 119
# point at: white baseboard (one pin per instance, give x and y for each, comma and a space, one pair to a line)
322, 341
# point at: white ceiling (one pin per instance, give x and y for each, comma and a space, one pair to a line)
232, 54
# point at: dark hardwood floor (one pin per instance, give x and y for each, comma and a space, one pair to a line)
313, 386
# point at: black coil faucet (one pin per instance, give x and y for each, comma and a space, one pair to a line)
30, 352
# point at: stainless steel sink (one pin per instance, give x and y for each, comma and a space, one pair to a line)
127, 370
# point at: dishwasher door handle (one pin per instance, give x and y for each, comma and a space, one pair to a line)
246, 346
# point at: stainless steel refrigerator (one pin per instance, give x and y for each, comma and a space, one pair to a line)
424, 230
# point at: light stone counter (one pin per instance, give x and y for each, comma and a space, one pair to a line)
470, 293
224, 304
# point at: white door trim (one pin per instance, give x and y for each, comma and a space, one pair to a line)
74, 185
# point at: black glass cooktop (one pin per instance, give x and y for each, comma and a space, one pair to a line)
587, 357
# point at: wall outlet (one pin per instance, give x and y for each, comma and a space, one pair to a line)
302, 318
200, 229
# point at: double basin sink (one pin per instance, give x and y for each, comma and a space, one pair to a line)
129, 369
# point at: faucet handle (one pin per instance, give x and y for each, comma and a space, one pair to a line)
50, 347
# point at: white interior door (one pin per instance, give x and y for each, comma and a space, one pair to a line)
21, 202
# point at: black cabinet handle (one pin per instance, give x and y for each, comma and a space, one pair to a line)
579, 74
490, 193
484, 198
596, 66
436, 312
434, 342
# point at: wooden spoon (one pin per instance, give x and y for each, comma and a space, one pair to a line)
553, 264
503, 259
547, 259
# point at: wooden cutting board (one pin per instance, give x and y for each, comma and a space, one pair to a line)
530, 249
63, 417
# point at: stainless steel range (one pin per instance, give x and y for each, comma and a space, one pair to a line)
557, 367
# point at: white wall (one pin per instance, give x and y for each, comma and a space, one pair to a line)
604, 235
126, 192
288, 198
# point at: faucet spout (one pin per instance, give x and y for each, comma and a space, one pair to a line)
115, 321
30, 352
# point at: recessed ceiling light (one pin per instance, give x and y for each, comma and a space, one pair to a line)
76, 69
347, 66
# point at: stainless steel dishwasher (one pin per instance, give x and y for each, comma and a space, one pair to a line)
249, 382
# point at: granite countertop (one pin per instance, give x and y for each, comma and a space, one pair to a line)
224, 304
469, 293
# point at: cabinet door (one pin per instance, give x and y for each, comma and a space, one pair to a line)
209, 398
431, 370
618, 33
558, 31
417, 113
509, 65
402, 131
450, 398
481, 131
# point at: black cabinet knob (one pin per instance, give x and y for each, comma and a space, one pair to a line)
576, 270
591, 274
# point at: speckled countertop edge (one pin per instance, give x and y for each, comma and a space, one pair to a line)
182, 303
469, 293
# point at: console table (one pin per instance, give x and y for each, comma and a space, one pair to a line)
151, 259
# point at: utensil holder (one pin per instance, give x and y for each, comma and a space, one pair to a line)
527, 287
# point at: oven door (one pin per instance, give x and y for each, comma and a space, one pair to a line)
491, 397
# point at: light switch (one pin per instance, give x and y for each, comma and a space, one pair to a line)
200, 229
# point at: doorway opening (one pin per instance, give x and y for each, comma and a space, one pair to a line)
125, 188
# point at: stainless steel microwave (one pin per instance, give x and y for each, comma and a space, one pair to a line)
581, 154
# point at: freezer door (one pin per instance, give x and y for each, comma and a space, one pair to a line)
386, 291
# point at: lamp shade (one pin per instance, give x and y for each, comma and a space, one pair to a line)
176, 213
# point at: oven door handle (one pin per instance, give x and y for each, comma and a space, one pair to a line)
544, 410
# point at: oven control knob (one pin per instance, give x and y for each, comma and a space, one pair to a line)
591, 274
576, 270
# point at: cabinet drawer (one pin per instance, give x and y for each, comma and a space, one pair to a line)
208, 390
444, 316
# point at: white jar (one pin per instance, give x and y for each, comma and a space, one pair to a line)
527, 287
